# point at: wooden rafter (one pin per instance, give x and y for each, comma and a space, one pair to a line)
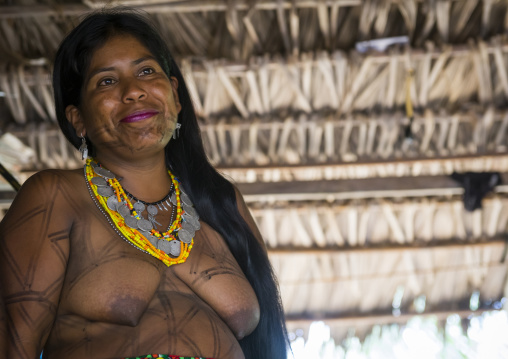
15, 11
404, 167
387, 187
379, 318
361, 324
414, 248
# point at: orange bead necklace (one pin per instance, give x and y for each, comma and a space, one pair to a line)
171, 246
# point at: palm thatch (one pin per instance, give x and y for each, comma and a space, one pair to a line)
240, 29
449, 78
340, 120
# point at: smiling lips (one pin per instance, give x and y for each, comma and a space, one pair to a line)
139, 116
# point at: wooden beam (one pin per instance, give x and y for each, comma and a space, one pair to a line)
21, 11
170, 6
368, 319
495, 162
387, 187
384, 162
497, 243
347, 189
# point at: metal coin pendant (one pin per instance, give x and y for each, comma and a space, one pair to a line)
99, 181
145, 224
105, 191
190, 210
174, 248
107, 174
123, 210
104, 172
151, 209
113, 203
194, 221
163, 245
139, 207
188, 227
184, 236
152, 239
185, 199
131, 222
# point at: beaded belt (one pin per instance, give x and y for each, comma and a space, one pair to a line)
163, 356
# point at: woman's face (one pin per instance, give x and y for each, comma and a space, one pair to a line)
129, 106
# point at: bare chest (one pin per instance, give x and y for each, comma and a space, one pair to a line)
109, 280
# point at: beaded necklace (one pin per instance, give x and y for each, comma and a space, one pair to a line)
172, 246
152, 208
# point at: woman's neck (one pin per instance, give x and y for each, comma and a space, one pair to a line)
146, 179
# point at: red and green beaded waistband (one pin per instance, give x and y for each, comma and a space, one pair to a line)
164, 356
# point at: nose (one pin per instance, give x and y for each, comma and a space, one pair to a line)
133, 92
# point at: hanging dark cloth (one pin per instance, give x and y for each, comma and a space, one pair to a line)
476, 186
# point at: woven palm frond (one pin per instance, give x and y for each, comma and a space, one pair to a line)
453, 78
240, 29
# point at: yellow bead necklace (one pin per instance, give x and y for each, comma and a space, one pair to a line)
172, 246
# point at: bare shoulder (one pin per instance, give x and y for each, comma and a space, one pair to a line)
43, 182
48, 191
51, 176
34, 252
47, 199
241, 205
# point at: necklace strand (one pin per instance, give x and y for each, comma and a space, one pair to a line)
135, 199
152, 208
171, 246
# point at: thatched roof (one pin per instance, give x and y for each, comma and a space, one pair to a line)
313, 119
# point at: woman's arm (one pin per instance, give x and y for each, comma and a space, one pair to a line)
34, 248
3, 326
271, 329
245, 213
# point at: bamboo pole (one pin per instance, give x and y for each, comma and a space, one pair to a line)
380, 318
173, 6
497, 243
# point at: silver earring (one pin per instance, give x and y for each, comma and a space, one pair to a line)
176, 133
83, 148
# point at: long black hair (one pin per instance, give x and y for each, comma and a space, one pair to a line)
213, 196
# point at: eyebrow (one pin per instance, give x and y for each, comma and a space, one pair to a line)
146, 58
106, 69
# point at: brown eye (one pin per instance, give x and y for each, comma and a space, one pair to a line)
147, 71
106, 82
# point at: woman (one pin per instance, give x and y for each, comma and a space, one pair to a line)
148, 249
